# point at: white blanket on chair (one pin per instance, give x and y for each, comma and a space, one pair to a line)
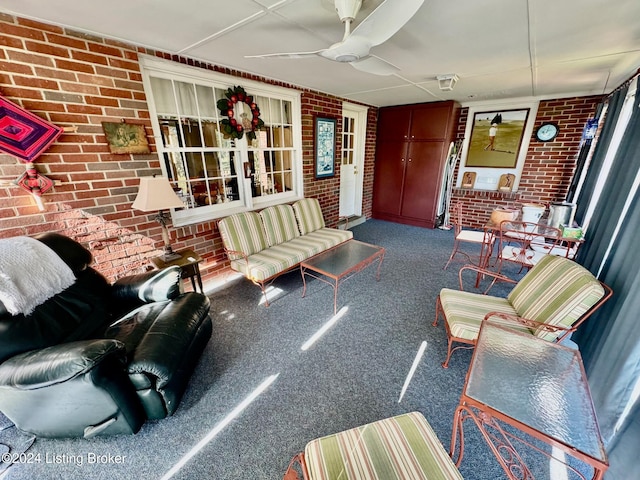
30, 273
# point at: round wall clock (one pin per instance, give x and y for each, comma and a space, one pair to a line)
547, 132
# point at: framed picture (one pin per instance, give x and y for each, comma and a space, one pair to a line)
126, 137
469, 179
325, 147
496, 138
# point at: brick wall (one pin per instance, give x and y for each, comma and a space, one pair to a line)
548, 167
78, 81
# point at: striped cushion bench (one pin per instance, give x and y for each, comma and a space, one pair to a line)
404, 447
264, 245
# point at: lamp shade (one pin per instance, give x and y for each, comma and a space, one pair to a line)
155, 193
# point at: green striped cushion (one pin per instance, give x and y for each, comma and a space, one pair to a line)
464, 311
309, 215
556, 291
242, 232
279, 224
272, 261
404, 447
329, 237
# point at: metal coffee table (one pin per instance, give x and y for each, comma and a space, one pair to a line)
335, 265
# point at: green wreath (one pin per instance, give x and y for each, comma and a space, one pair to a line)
231, 126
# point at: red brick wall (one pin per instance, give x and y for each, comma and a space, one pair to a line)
548, 167
78, 81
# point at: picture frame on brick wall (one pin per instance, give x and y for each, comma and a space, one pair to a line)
496, 138
125, 138
325, 147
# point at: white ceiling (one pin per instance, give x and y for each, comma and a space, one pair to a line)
499, 49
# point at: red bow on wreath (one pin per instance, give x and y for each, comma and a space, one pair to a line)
242, 112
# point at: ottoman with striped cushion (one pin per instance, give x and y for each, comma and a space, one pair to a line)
404, 447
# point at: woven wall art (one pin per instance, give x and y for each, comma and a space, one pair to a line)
23, 134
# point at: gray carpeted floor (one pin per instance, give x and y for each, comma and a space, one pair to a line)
350, 376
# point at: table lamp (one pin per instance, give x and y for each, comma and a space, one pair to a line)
156, 193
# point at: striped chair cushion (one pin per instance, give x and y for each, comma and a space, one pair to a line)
328, 237
464, 311
556, 291
309, 215
242, 232
404, 447
279, 224
272, 261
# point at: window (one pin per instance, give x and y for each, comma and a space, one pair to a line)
213, 173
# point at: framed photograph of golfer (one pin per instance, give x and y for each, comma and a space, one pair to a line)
496, 138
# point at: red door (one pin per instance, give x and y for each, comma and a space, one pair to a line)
422, 179
390, 166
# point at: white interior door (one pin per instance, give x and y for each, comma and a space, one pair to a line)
354, 123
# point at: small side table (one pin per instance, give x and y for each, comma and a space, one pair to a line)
189, 261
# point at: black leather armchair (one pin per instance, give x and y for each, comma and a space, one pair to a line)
100, 359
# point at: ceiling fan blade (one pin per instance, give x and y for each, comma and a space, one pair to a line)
287, 55
375, 65
386, 20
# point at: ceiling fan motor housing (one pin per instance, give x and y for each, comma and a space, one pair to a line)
347, 57
347, 10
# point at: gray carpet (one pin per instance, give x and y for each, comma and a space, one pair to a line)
351, 376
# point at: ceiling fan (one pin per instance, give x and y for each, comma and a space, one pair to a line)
381, 24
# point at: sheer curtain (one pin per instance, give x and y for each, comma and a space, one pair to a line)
610, 340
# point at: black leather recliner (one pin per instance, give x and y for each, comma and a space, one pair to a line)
100, 359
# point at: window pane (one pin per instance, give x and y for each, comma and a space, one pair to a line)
191, 132
206, 101
169, 127
186, 99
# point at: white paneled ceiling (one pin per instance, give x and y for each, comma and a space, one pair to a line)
499, 49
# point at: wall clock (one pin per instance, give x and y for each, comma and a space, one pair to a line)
547, 132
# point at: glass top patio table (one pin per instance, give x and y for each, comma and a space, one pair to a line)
537, 386
340, 262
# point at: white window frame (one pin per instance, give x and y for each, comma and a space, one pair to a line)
154, 67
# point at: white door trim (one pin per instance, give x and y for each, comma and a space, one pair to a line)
359, 112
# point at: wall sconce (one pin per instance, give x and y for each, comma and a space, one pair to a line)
156, 193
447, 82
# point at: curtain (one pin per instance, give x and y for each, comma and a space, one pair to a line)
616, 101
610, 339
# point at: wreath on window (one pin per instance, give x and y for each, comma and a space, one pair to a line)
243, 114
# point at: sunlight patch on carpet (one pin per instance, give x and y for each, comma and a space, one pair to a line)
316, 336
413, 368
220, 426
270, 293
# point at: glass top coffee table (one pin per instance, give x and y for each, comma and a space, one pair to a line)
335, 265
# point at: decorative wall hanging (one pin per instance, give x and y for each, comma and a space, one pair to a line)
325, 147
23, 134
469, 179
34, 183
506, 183
496, 138
126, 138
243, 114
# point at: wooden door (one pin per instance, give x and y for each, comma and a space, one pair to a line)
389, 173
421, 181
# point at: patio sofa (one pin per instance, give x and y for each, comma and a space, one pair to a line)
261, 246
